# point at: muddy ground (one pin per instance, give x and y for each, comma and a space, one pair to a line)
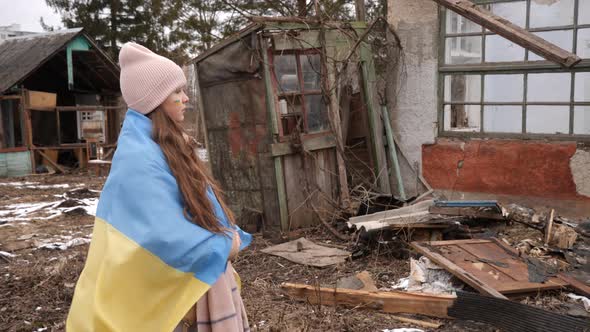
37, 283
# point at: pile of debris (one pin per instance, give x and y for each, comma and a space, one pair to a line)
465, 250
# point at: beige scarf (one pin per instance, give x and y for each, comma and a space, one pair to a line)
220, 310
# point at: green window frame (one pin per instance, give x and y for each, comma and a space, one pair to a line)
491, 87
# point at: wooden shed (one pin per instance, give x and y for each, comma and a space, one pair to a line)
292, 119
59, 96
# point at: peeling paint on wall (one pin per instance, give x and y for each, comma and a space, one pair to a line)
580, 166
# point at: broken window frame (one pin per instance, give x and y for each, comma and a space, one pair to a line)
301, 93
524, 67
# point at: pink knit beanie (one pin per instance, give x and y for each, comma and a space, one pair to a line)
147, 79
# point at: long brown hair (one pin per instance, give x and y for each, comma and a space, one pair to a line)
190, 173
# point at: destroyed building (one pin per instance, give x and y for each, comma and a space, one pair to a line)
484, 117
292, 117
59, 96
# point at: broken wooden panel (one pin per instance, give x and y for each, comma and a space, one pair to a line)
486, 265
511, 32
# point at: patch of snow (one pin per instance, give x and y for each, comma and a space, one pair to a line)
34, 185
7, 254
585, 300
64, 245
44, 210
203, 155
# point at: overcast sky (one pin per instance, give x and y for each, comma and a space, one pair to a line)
27, 14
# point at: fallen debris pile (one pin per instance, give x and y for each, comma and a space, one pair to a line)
467, 247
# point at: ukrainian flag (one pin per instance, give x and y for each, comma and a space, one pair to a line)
147, 264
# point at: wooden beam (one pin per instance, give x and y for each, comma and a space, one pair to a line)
274, 127
416, 322
549, 227
576, 284
87, 108
361, 10
54, 164
390, 302
457, 271
511, 31
332, 85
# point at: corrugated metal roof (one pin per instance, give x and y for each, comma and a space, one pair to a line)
19, 56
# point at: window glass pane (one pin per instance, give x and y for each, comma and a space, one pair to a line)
462, 118
582, 120
584, 12
561, 38
504, 88
462, 50
514, 12
501, 49
463, 88
286, 71
310, 66
549, 87
459, 24
549, 13
317, 115
502, 119
548, 119
583, 43
582, 87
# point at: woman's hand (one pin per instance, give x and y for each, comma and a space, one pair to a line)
235, 245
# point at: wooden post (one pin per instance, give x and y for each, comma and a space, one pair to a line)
200, 109
375, 124
393, 153
511, 31
331, 88
27, 129
548, 227
58, 127
360, 10
270, 107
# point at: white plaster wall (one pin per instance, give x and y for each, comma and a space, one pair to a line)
412, 98
580, 166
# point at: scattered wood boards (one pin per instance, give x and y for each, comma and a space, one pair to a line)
488, 265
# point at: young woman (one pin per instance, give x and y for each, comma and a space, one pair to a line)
163, 236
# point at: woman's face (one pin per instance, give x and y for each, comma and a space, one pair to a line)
174, 106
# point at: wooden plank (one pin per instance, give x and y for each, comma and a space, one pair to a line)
38, 100
334, 109
471, 256
511, 32
54, 164
549, 227
518, 287
375, 124
393, 153
491, 252
457, 271
451, 242
390, 302
416, 322
576, 284
270, 108
17, 149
